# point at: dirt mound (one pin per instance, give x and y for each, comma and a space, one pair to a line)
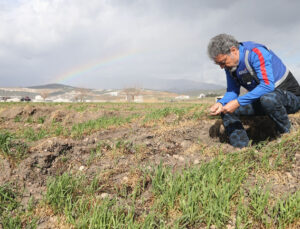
11, 113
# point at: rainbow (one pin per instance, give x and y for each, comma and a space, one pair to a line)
90, 66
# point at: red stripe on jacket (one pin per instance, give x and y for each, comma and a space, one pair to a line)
262, 65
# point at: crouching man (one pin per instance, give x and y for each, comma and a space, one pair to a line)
272, 88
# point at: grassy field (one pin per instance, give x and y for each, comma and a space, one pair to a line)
126, 165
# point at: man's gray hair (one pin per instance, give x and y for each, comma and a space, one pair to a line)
221, 44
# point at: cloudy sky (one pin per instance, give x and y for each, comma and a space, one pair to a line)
100, 43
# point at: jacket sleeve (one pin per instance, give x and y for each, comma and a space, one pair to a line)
233, 90
261, 61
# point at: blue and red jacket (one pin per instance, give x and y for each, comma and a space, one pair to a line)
259, 70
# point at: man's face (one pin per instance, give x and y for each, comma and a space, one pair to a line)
228, 60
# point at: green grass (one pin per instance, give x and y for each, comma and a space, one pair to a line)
259, 201
201, 195
86, 128
33, 135
286, 210
11, 147
17, 118
95, 153
157, 114
8, 199
6, 139
61, 190
11, 211
67, 194
41, 120
192, 197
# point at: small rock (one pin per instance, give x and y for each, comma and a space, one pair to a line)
81, 168
196, 162
104, 195
181, 158
125, 179
289, 175
185, 144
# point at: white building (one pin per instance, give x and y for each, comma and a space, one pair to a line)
13, 100
112, 93
182, 97
201, 96
38, 99
138, 99
60, 100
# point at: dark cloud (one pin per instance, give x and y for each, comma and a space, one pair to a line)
161, 39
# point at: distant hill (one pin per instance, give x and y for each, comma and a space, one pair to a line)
52, 86
180, 86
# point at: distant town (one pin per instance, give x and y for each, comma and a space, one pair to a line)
63, 93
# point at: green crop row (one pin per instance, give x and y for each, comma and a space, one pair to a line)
193, 197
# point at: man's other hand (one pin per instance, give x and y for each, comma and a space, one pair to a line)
216, 109
231, 106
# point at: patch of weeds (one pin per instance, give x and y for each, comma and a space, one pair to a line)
67, 194
6, 142
61, 191
107, 214
80, 129
8, 199
81, 108
10, 147
33, 135
29, 120
11, 222
259, 202
8, 203
202, 194
164, 112
17, 118
64, 158
277, 155
287, 211
41, 119
59, 130
200, 112
242, 213
124, 147
258, 211
95, 153
11, 214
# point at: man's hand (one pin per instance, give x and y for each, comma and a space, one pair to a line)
216, 109
231, 106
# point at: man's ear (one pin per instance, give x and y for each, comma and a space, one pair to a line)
233, 49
